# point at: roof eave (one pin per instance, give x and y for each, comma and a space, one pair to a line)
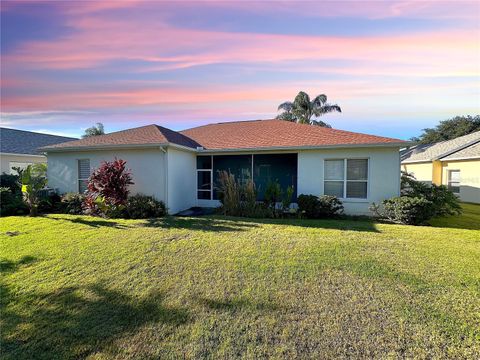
309, 147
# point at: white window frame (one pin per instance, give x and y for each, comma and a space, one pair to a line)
450, 181
211, 180
345, 180
78, 172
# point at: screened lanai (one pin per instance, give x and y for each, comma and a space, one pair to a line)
266, 168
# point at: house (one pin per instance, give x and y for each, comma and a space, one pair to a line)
454, 163
19, 148
181, 168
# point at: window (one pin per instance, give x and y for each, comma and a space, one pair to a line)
204, 177
83, 174
346, 178
454, 181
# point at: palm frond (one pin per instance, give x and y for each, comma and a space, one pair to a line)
320, 123
327, 108
287, 106
319, 100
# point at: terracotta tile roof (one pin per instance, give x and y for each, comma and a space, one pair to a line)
276, 134
145, 135
232, 135
439, 150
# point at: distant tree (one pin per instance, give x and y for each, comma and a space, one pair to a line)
94, 131
449, 129
305, 111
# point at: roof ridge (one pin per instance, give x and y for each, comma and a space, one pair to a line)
457, 149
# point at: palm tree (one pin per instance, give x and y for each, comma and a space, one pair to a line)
302, 109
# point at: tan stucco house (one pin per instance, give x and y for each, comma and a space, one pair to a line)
454, 163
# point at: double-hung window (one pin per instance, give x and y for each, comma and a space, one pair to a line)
454, 181
346, 178
83, 174
204, 178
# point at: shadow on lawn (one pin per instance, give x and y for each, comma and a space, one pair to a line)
8, 266
334, 224
93, 222
200, 223
75, 322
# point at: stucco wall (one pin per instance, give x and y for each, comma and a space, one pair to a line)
421, 171
182, 180
147, 166
384, 175
469, 178
6, 159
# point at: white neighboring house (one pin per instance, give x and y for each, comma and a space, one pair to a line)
181, 168
19, 148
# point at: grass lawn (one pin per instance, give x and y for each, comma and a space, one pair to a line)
83, 287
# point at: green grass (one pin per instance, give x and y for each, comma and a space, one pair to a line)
83, 287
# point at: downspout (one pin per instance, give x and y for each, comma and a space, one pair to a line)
165, 152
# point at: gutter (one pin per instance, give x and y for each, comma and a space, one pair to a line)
114, 147
13, 154
289, 148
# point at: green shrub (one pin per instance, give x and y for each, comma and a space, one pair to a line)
72, 203
287, 199
407, 210
324, 206
12, 182
273, 194
50, 203
143, 207
11, 203
444, 202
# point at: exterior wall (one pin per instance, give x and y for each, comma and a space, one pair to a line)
469, 178
421, 171
383, 183
5, 160
383, 175
147, 167
182, 180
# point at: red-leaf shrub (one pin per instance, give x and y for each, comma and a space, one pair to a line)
107, 190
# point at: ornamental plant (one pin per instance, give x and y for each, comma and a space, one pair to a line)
34, 179
107, 191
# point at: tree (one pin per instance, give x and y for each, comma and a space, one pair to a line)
94, 131
305, 111
449, 129
34, 179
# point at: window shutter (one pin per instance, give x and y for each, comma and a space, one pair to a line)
83, 169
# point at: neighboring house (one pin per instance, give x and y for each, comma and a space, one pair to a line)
19, 148
181, 168
454, 163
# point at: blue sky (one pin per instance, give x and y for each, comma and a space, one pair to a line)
395, 67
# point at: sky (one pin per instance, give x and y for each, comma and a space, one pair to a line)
394, 67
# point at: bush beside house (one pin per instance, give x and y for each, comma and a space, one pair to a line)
418, 203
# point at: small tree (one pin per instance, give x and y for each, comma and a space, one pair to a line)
33, 179
96, 130
107, 190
